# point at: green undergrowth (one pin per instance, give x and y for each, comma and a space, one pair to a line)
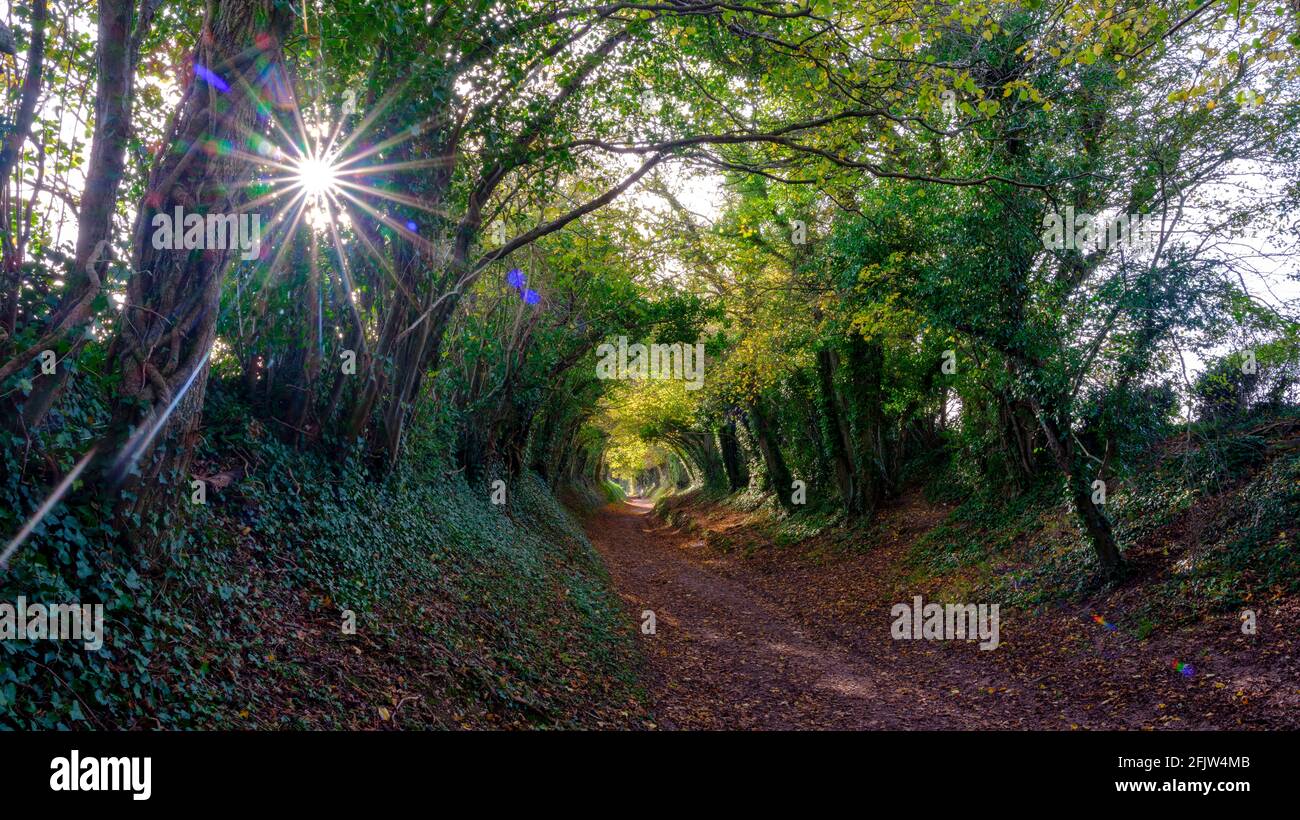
778, 528
466, 613
1207, 522
584, 497
613, 493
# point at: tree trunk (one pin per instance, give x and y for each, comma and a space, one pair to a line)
11, 148
119, 42
1094, 520
732, 461
840, 442
1096, 525
301, 369
778, 473
169, 320
866, 370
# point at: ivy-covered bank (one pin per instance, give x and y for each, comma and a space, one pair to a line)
466, 614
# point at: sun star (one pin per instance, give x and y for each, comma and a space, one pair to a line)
317, 176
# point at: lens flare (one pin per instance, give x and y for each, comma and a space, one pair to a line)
316, 176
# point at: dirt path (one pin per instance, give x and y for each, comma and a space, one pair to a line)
766, 642
724, 656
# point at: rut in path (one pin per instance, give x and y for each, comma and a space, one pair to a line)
725, 656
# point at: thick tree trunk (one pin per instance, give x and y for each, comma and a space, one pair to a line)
732, 460
840, 442
778, 474
169, 320
411, 336
866, 370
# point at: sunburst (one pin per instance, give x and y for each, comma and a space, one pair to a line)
317, 176
306, 175
314, 170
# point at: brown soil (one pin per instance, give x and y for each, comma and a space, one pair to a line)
750, 635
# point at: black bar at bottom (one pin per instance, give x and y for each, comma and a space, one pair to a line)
989, 770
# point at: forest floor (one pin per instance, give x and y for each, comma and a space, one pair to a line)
798, 637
